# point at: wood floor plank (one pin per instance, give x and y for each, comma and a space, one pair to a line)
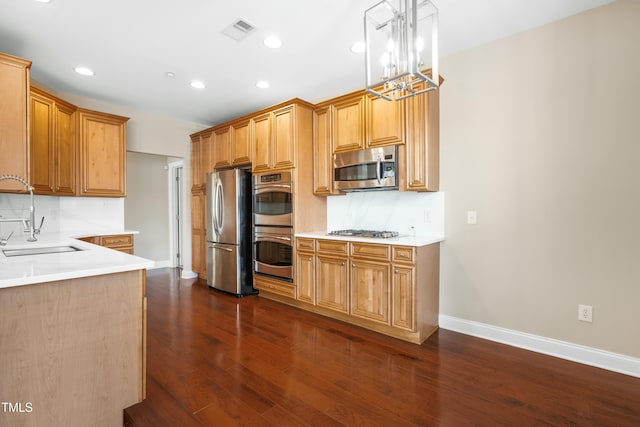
214, 359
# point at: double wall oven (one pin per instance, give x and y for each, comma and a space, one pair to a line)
273, 225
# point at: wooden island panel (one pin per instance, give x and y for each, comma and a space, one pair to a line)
74, 349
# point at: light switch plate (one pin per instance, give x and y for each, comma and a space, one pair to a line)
472, 217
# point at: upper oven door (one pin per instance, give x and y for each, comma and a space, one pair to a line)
273, 205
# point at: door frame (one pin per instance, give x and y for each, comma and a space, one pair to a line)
174, 205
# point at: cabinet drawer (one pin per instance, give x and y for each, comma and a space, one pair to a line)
116, 240
368, 250
304, 244
332, 247
403, 254
274, 286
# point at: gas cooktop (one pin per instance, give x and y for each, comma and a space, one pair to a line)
365, 233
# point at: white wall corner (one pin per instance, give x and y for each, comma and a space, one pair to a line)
565, 350
188, 274
161, 264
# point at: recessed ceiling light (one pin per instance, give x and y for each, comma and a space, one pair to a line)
170, 74
84, 71
263, 84
273, 42
358, 47
43, 1
198, 85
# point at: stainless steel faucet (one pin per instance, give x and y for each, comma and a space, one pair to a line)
29, 224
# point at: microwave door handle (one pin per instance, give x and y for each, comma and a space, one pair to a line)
378, 171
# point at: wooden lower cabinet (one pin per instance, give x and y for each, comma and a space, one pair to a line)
306, 269
403, 309
391, 289
370, 290
118, 242
332, 284
198, 234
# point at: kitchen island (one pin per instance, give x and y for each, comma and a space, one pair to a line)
388, 285
72, 333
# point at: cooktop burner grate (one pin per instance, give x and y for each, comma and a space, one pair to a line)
365, 233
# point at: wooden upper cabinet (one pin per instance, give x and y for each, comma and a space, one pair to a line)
420, 168
348, 123
385, 122
221, 147
206, 160
322, 151
14, 129
103, 157
283, 137
196, 159
53, 144
241, 143
261, 142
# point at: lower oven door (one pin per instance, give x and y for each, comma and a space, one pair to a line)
273, 254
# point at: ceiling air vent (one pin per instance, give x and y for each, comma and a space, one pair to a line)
239, 29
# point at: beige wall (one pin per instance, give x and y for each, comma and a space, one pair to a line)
146, 207
540, 133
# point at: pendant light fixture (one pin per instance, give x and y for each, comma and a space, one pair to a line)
401, 52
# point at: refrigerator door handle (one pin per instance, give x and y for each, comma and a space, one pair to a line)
219, 210
221, 248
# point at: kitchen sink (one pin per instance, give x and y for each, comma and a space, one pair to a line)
39, 251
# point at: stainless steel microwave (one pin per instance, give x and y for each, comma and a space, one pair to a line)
366, 170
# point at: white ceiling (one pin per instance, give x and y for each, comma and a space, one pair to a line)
131, 44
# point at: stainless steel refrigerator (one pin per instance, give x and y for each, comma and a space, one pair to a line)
229, 231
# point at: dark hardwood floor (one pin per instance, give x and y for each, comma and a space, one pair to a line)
215, 360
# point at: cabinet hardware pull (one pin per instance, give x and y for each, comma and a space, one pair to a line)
353, 266
396, 271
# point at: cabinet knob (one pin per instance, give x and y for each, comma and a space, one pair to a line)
353, 266
395, 271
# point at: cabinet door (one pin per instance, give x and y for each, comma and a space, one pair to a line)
196, 155
332, 283
221, 147
42, 143
198, 235
385, 122
206, 158
241, 144
103, 154
322, 152
348, 116
370, 290
403, 305
65, 165
14, 98
283, 138
261, 141
305, 277
422, 151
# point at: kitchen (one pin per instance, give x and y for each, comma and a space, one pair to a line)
512, 123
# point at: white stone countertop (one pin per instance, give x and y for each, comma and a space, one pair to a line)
91, 260
400, 240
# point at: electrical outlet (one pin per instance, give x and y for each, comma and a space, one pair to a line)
585, 313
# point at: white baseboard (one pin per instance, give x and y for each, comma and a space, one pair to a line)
161, 264
565, 350
188, 274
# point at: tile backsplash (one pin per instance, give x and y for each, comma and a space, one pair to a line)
63, 213
388, 210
